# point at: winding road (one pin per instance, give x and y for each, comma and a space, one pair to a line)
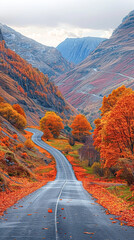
75, 214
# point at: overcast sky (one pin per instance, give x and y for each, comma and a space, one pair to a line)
51, 21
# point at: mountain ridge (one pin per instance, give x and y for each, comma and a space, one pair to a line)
23, 84
48, 59
109, 66
75, 50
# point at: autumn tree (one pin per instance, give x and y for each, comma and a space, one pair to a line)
114, 133
29, 144
110, 101
19, 109
80, 127
53, 122
47, 133
7, 111
118, 136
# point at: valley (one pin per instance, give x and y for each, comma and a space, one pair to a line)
67, 136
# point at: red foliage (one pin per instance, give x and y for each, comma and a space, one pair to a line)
95, 187
15, 136
24, 155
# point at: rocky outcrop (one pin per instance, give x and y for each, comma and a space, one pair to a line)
75, 50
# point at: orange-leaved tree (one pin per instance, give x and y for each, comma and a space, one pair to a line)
80, 127
110, 101
29, 144
118, 136
114, 132
53, 122
47, 133
19, 109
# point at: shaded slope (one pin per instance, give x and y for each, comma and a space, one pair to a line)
47, 59
75, 50
108, 67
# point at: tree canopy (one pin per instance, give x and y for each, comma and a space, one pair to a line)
52, 122
114, 133
80, 127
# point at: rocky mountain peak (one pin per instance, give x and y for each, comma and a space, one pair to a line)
126, 25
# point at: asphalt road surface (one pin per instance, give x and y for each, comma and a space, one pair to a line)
75, 214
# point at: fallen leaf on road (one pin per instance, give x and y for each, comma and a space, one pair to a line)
64, 217
88, 233
50, 210
20, 206
44, 228
111, 218
29, 214
62, 208
114, 221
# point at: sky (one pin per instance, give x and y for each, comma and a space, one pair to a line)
52, 21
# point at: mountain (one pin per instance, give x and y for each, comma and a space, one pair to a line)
23, 84
109, 66
48, 59
75, 50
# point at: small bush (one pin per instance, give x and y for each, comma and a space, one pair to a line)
97, 169
15, 136
24, 155
29, 144
19, 146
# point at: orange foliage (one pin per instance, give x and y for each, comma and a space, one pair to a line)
96, 187
118, 141
19, 109
24, 155
114, 133
19, 146
29, 144
23, 72
9, 198
110, 101
81, 127
53, 122
47, 133
15, 136
5, 141
7, 111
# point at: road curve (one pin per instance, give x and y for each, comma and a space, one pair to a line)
75, 214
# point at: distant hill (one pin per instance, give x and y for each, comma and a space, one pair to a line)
23, 84
75, 50
106, 68
48, 59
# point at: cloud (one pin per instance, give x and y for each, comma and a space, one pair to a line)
93, 14
51, 21
53, 36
